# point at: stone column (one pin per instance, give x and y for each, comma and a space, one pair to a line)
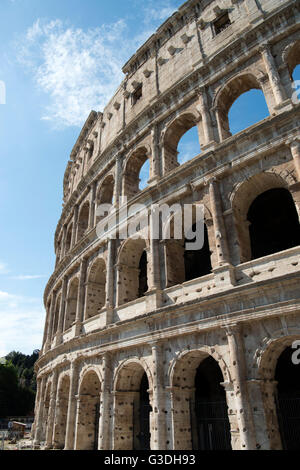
63, 242
110, 279
269, 392
80, 297
205, 115
92, 206
70, 427
51, 320
105, 430
255, 388
154, 271
273, 74
155, 167
295, 151
50, 427
74, 228
46, 337
223, 133
118, 179
41, 384
62, 311
238, 374
159, 399
217, 215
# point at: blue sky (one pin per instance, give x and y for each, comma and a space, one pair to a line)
59, 60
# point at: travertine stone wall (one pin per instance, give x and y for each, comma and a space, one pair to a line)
100, 337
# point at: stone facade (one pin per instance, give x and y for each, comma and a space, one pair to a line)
122, 368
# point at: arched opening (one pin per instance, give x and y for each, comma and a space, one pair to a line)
199, 401
296, 77
56, 315
248, 109
144, 175
71, 306
135, 175
227, 97
287, 375
68, 239
212, 428
141, 417
183, 263
88, 413
105, 194
197, 263
83, 221
61, 413
132, 271
274, 223
183, 130
188, 146
95, 289
292, 59
132, 409
143, 279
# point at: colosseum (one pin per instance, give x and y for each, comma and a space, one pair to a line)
149, 345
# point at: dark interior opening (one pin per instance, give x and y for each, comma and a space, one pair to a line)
197, 262
274, 223
137, 94
212, 424
143, 281
287, 375
222, 23
142, 441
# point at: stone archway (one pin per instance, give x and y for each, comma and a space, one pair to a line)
228, 94
88, 412
183, 263
133, 270
95, 289
133, 166
200, 416
174, 132
132, 419
279, 382
61, 412
241, 200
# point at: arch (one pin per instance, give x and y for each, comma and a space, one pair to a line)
274, 223
200, 417
174, 132
87, 429
105, 193
71, 303
228, 94
133, 166
291, 56
132, 419
83, 220
182, 259
265, 368
68, 242
61, 411
95, 288
131, 274
241, 199
56, 315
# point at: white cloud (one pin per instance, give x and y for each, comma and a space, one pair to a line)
3, 268
22, 322
80, 69
29, 277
